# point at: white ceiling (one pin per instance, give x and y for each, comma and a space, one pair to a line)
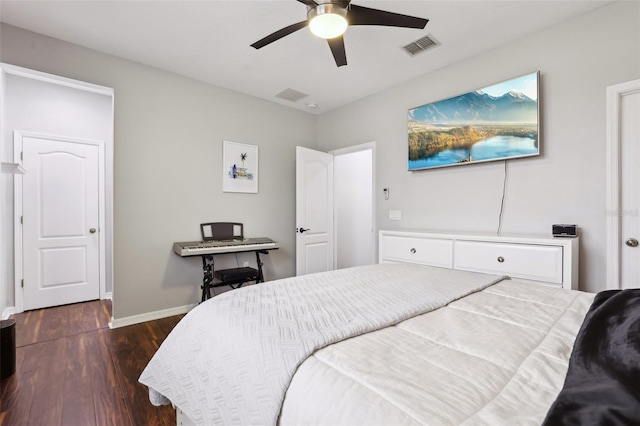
209, 40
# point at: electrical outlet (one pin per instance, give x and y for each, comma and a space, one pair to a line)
395, 215
246, 264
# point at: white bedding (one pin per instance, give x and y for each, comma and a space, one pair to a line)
231, 359
496, 357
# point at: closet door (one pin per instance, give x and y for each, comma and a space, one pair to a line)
61, 238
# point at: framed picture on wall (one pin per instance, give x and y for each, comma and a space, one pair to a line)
239, 167
492, 123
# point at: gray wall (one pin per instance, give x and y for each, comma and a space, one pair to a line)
167, 168
577, 60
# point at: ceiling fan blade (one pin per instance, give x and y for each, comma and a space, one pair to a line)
337, 48
279, 34
359, 15
310, 3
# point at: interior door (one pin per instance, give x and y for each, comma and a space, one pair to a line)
629, 188
60, 195
623, 185
314, 211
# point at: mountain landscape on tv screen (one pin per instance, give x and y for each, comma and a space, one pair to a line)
474, 127
478, 107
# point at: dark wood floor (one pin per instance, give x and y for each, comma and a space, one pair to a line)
71, 369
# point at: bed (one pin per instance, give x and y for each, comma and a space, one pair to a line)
392, 343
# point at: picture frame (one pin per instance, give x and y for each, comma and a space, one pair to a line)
496, 122
239, 167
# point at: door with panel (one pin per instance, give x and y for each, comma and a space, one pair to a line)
60, 231
314, 211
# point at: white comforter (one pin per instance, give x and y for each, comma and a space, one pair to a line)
231, 359
496, 357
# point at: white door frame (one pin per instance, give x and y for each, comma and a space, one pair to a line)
18, 136
614, 174
8, 69
348, 150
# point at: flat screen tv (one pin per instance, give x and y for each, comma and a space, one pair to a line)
496, 122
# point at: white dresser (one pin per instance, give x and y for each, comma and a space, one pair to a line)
544, 260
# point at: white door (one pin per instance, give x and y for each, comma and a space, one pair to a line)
623, 105
60, 231
629, 200
314, 211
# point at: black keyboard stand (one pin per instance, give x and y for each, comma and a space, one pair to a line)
234, 277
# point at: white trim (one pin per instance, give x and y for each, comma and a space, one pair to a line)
614, 94
55, 79
18, 136
10, 310
109, 201
354, 148
4, 280
150, 316
107, 296
18, 272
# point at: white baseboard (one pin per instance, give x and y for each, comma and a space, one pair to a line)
150, 316
8, 312
107, 296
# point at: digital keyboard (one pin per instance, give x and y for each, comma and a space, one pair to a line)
199, 248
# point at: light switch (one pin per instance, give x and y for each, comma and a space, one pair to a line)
395, 215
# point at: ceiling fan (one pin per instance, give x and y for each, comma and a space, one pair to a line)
329, 20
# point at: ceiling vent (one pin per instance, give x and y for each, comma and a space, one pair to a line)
291, 95
420, 45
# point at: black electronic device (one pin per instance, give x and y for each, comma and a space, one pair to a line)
564, 230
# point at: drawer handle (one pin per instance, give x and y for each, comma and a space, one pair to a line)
413, 250
500, 259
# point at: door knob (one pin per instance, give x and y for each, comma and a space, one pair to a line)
631, 242
92, 230
302, 230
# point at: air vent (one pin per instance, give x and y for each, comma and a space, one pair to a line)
291, 95
420, 45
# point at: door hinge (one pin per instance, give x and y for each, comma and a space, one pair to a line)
21, 153
21, 220
22, 283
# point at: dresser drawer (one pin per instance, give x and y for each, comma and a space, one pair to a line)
425, 251
526, 261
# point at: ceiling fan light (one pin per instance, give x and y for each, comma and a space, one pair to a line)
328, 20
